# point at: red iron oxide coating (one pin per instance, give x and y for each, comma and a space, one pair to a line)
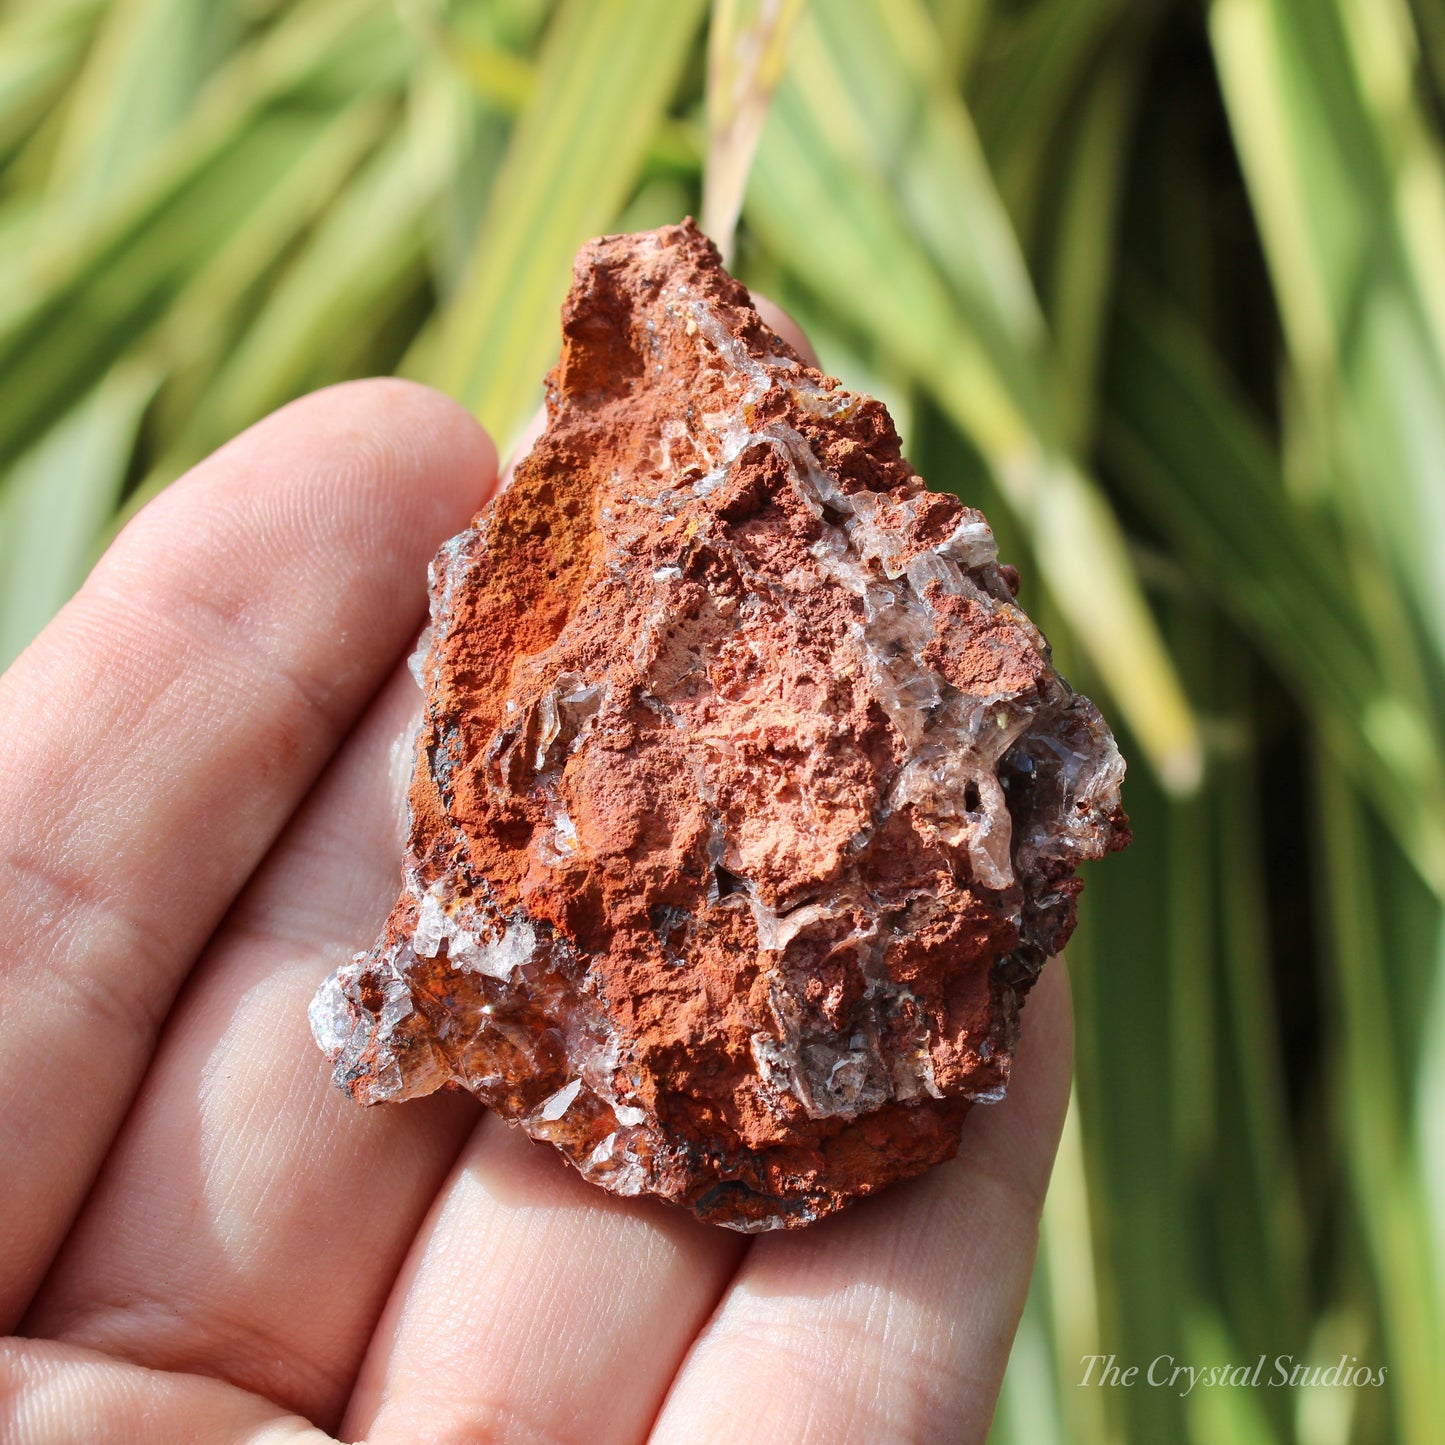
747, 802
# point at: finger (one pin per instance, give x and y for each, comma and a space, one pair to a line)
156, 736
537, 1307
893, 1321
786, 327
250, 1219
55, 1394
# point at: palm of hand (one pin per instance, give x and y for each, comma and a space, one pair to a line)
203, 1241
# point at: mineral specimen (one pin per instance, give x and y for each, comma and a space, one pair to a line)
747, 803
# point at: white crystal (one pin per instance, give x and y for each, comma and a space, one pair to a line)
330, 1016
432, 926
557, 1104
502, 958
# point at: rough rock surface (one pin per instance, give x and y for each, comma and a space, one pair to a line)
747, 803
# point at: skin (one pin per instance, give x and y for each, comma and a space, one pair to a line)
203, 764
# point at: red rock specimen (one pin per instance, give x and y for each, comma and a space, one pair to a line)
747, 804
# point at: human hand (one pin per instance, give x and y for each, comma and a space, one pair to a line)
202, 769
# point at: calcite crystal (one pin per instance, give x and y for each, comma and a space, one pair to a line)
747, 802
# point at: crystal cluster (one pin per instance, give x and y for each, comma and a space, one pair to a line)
747, 803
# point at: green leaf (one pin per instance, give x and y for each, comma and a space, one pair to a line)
747, 49
1080, 257
40, 47
1390, 1196
76, 309
1348, 186
607, 71
144, 67
57, 502
1194, 460
210, 322
370, 246
1025, 98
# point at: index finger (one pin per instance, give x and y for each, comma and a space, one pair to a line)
155, 738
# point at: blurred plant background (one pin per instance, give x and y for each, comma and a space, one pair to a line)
1160, 285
